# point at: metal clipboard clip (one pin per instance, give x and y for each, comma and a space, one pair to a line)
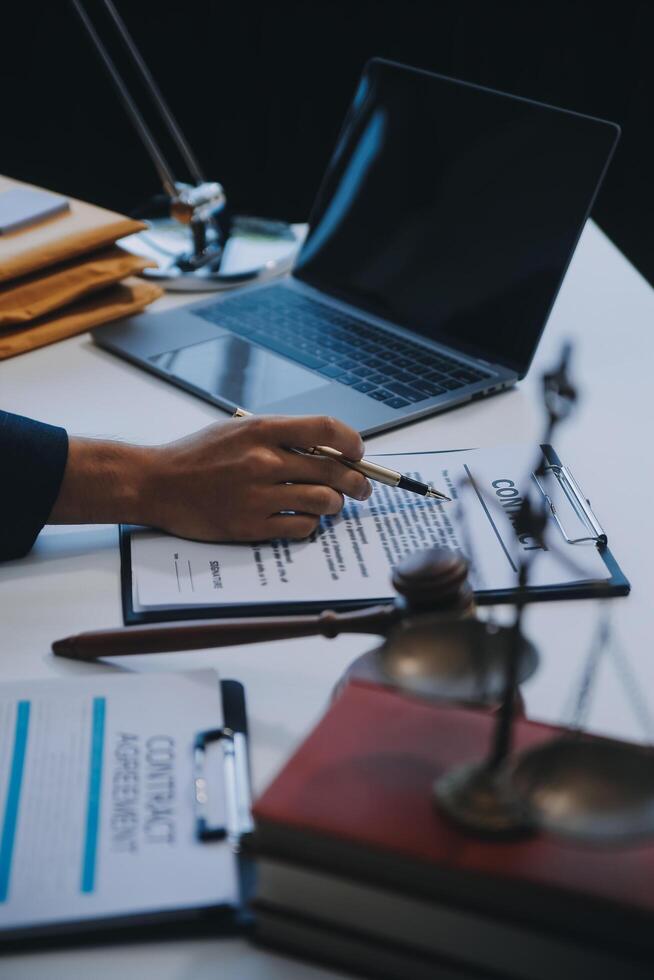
237, 787
579, 503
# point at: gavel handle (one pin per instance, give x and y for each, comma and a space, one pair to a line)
198, 634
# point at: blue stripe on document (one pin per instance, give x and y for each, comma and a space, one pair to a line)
13, 796
93, 806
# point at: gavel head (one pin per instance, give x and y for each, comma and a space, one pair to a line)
433, 580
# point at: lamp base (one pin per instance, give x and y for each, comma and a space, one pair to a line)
257, 249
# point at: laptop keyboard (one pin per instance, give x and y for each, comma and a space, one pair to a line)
341, 347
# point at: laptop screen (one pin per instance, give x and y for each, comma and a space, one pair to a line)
454, 210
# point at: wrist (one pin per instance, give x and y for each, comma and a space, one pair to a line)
105, 483
136, 497
145, 482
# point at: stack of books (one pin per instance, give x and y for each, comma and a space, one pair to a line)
64, 274
359, 869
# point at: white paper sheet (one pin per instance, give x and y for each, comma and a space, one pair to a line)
96, 798
351, 556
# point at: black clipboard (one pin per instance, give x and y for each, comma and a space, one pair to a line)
218, 920
616, 585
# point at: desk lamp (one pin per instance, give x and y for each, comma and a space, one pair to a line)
201, 238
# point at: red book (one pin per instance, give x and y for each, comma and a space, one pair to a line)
356, 801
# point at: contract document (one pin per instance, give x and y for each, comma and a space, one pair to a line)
97, 800
350, 557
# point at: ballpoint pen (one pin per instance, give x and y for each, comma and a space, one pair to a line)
374, 471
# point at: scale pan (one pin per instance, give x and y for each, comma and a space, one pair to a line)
598, 791
463, 661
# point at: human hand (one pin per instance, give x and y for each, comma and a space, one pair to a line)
233, 481
237, 480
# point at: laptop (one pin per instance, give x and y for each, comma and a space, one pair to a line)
437, 244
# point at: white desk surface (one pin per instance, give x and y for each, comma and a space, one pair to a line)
70, 582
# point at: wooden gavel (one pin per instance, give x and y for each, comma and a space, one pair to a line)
430, 581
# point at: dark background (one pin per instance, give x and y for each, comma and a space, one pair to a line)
261, 89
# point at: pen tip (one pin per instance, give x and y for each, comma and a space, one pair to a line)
437, 495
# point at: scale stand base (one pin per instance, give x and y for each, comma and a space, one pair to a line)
482, 800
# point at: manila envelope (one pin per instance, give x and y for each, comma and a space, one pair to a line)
84, 228
112, 303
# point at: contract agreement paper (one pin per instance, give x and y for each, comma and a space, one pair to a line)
350, 556
97, 799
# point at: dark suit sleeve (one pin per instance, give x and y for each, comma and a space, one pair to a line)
32, 462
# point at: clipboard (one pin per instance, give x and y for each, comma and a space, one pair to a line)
580, 508
616, 585
218, 920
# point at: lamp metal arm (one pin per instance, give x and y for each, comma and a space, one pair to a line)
161, 164
156, 95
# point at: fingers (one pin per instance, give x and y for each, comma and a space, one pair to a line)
313, 430
328, 472
306, 499
291, 526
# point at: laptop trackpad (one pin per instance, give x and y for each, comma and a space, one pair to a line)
234, 370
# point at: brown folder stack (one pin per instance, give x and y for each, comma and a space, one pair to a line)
65, 275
